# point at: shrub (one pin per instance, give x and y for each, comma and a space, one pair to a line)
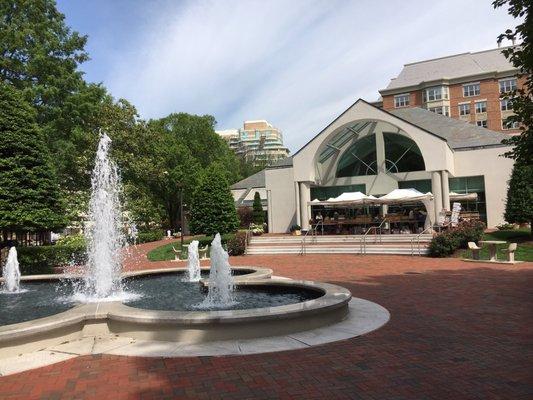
245, 215
237, 244
43, 259
150, 236
505, 227
446, 243
257, 229
258, 213
206, 241
443, 245
72, 240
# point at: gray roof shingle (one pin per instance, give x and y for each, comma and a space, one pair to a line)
254, 181
458, 134
451, 67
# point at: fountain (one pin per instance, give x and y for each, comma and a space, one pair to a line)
221, 285
104, 234
193, 263
11, 272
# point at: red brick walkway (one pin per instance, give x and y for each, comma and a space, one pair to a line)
457, 331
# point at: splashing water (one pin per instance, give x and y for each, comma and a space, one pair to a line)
11, 272
104, 235
221, 285
193, 264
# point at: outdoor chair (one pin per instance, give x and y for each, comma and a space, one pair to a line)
510, 252
202, 252
177, 253
475, 250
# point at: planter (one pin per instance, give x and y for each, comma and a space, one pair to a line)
296, 233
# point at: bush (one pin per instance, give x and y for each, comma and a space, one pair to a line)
505, 227
206, 240
150, 236
43, 259
258, 213
237, 244
72, 240
245, 215
257, 229
446, 243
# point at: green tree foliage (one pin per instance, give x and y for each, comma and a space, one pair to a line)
522, 58
259, 214
29, 194
519, 206
213, 209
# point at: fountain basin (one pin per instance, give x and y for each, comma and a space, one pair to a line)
115, 318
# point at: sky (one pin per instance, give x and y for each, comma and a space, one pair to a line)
296, 63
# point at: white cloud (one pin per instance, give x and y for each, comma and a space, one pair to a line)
296, 63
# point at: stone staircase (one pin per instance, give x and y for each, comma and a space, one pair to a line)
341, 244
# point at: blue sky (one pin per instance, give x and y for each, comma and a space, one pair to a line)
296, 63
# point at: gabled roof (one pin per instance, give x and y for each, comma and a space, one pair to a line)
458, 134
451, 67
254, 181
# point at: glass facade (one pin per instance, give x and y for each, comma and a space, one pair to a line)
359, 159
325, 192
402, 154
471, 184
422, 185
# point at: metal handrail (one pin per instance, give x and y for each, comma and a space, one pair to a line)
247, 239
362, 247
417, 238
313, 231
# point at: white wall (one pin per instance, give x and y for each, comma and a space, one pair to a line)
496, 171
282, 207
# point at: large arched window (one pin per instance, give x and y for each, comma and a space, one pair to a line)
359, 158
402, 154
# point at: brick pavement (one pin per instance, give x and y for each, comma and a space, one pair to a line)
457, 331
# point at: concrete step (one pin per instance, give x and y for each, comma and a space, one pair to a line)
339, 249
322, 250
339, 239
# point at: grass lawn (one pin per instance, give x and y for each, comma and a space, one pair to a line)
166, 253
523, 237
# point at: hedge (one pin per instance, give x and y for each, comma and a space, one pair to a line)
42, 259
150, 236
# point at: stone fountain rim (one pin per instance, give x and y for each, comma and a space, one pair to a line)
333, 297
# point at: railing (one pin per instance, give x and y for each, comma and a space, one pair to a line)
362, 247
247, 239
417, 239
313, 231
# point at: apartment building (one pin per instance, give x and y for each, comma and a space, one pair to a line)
258, 142
464, 86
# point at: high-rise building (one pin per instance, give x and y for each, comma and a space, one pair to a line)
258, 142
464, 86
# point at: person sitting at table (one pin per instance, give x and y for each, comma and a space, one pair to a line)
411, 214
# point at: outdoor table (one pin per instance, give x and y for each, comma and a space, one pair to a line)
492, 248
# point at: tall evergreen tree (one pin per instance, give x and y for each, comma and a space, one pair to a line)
519, 206
29, 194
258, 213
213, 209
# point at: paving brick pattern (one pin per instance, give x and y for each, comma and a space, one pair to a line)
457, 331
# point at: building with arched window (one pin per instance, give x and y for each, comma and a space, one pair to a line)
374, 151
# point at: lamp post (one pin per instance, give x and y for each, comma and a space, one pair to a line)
181, 215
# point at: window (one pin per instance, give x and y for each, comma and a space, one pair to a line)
506, 124
436, 93
401, 100
359, 159
464, 109
444, 110
471, 184
506, 105
482, 124
422, 185
472, 89
507, 85
481, 107
402, 154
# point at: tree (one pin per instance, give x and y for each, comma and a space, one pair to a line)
259, 214
40, 56
522, 58
519, 205
213, 209
29, 193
